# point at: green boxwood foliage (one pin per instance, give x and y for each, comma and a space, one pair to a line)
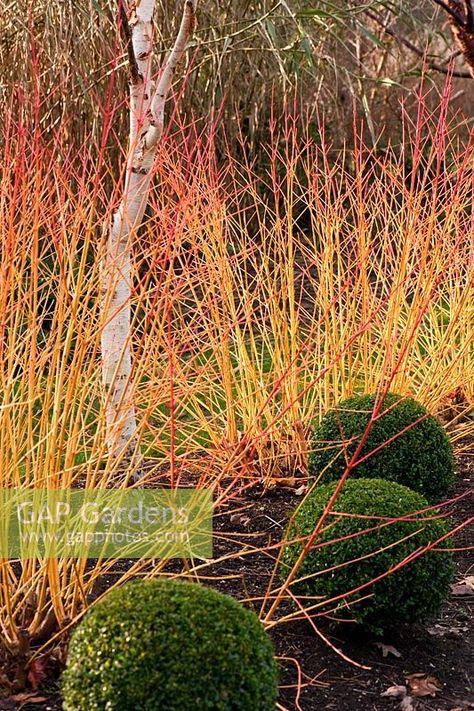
420, 458
411, 593
170, 645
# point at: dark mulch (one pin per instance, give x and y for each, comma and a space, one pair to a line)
443, 648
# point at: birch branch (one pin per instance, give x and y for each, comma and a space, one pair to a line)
164, 85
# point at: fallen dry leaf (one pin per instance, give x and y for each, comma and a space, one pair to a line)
406, 704
240, 518
397, 691
301, 490
37, 670
423, 685
288, 482
387, 649
464, 587
24, 698
442, 631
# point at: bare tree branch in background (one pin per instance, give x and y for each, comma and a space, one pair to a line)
461, 19
392, 32
451, 8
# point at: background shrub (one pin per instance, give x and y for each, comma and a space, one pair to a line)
162, 644
277, 46
421, 458
411, 593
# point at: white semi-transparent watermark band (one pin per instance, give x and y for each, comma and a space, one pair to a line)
105, 523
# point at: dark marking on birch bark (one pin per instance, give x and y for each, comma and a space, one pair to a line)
125, 28
192, 20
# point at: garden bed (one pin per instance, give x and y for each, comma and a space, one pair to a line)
441, 649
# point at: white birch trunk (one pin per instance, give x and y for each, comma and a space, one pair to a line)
146, 128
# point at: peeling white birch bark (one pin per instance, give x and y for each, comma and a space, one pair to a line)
146, 128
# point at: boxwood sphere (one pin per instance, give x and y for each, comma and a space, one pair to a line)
410, 593
170, 645
421, 458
